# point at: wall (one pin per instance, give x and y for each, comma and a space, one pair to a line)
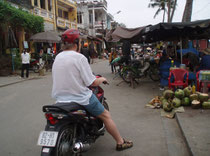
48, 26
85, 16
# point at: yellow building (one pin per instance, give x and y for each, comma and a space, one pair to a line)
58, 14
66, 13
45, 9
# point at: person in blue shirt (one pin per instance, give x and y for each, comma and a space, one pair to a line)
205, 59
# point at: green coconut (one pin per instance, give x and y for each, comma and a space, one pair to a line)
188, 91
176, 102
206, 105
196, 104
203, 97
198, 93
185, 101
193, 97
161, 98
167, 106
168, 94
179, 93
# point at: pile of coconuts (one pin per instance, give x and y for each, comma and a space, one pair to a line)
185, 97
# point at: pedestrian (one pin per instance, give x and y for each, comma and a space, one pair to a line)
112, 56
41, 60
85, 51
205, 60
132, 54
72, 75
92, 52
25, 57
106, 56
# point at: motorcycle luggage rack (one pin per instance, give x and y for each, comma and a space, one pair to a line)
63, 107
49, 108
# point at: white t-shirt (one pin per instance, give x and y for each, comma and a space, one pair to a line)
25, 58
72, 75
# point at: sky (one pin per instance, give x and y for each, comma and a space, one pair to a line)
135, 13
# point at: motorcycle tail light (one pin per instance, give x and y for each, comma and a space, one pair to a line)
51, 119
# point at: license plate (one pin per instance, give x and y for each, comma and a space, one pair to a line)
47, 138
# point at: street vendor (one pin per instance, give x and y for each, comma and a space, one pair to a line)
205, 59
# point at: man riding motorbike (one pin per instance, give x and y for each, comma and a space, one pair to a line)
72, 76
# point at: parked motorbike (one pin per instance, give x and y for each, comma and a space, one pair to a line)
34, 65
70, 129
138, 68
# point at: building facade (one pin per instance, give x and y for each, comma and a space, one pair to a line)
92, 16
45, 9
58, 14
66, 14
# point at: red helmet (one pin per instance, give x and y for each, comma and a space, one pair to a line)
71, 36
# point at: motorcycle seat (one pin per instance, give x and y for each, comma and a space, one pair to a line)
68, 107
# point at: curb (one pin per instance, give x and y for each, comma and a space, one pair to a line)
8, 84
184, 136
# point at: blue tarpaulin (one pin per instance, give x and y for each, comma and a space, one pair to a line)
164, 71
185, 51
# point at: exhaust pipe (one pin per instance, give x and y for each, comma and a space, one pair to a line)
79, 147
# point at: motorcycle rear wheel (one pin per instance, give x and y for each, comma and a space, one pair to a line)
36, 68
154, 73
105, 104
126, 76
65, 142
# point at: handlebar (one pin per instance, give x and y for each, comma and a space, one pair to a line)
106, 83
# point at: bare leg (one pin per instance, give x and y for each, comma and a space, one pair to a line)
111, 127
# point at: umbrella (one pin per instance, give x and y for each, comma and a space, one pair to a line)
48, 36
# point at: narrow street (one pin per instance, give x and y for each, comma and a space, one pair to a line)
22, 119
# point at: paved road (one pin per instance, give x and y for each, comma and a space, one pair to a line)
21, 118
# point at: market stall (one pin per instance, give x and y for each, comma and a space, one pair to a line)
178, 32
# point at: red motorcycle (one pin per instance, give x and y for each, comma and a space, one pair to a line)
34, 65
70, 129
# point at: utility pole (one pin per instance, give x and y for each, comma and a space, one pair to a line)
103, 32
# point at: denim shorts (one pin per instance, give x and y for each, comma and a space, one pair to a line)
94, 107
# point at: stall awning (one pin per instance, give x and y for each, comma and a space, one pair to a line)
121, 33
174, 31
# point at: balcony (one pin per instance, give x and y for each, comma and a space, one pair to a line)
98, 25
98, 5
65, 23
43, 13
67, 3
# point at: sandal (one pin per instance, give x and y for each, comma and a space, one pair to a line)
125, 145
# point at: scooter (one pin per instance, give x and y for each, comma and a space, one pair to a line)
70, 129
34, 65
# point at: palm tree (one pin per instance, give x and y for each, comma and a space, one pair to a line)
187, 11
168, 6
173, 10
160, 4
187, 18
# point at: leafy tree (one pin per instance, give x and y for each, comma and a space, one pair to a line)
18, 18
160, 4
122, 25
164, 5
